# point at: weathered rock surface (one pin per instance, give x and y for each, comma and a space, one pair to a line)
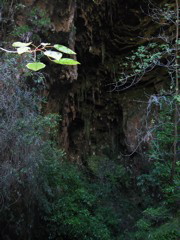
95, 119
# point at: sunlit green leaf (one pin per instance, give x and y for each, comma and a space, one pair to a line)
21, 44
63, 49
53, 54
35, 66
21, 50
66, 61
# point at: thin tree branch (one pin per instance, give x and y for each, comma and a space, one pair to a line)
9, 51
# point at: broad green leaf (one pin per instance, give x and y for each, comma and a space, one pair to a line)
63, 49
21, 50
21, 44
66, 61
53, 54
45, 44
35, 66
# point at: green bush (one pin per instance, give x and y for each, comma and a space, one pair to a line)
24, 150
70, 209
43, 195
160, 221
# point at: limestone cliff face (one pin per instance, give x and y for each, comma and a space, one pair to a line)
97, 117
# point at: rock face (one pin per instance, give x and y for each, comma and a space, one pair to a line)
96, 118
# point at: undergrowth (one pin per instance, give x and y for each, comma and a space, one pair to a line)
45, 197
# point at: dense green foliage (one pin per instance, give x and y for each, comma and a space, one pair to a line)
45, 197
24, 149
160, 219
38, 187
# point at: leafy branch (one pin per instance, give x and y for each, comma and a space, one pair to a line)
44, 48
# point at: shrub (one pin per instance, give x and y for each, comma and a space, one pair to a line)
42, 196
24, 144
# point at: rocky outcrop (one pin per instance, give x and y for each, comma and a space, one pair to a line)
96, 119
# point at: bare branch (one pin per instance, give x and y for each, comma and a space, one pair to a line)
8, 51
